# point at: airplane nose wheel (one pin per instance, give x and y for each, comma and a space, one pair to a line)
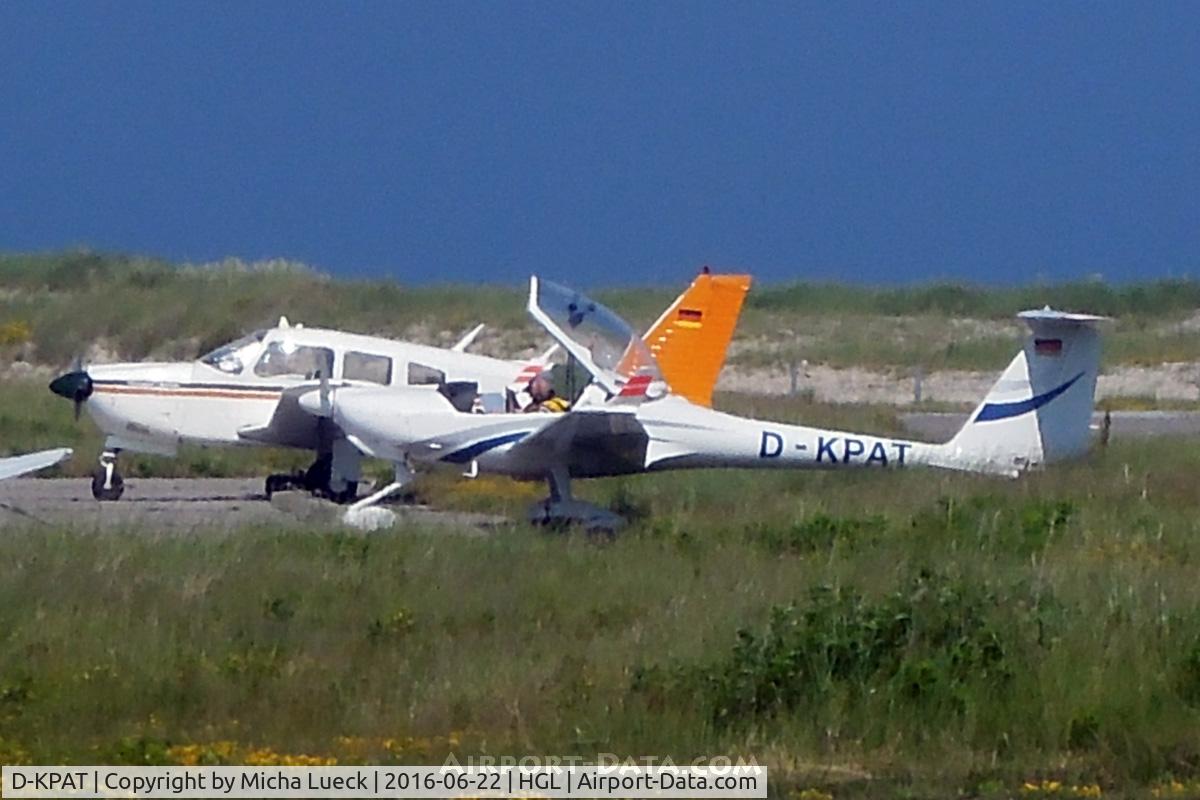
107, 483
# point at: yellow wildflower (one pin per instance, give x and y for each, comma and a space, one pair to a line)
812, 794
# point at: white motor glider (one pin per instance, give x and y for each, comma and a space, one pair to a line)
1038, 412
245, 392
14, 466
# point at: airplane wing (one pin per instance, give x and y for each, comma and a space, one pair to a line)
590, 443
30, 462
290, 425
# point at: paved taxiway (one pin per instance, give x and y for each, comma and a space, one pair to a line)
182, 504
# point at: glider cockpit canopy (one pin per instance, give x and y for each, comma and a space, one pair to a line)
600, 340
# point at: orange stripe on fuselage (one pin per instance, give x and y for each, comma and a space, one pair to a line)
151, 391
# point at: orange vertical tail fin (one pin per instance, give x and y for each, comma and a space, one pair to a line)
690, 339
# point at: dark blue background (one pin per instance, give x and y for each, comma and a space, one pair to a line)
610, 142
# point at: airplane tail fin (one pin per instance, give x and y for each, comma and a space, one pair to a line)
528, 370
1040, 409
468, 339
690, 339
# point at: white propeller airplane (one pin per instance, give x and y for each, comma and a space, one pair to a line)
629, 421
245, 392
14, 466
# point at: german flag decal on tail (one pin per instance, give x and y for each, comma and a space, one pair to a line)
1047, 347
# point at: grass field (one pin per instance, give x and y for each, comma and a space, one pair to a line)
911, 634
57, 306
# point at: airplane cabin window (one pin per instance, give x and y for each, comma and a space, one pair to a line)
367, 367
285, 358
421, 375
228, 357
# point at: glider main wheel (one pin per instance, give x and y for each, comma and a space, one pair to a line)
115, 485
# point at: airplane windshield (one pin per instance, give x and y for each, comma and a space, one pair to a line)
613, 345
230, 357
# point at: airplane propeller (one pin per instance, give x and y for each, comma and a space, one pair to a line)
326, 404
319, 402
75, 385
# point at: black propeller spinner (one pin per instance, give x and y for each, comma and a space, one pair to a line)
75, 385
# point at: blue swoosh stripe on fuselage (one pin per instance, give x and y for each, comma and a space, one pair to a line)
996, 411
473, 451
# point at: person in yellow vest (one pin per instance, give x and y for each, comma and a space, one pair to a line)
544, 398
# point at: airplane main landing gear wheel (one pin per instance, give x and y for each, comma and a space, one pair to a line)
107, 483
281, 483
346, 496
315, 480
319, 477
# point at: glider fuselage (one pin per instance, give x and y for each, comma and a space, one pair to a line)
668, 433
